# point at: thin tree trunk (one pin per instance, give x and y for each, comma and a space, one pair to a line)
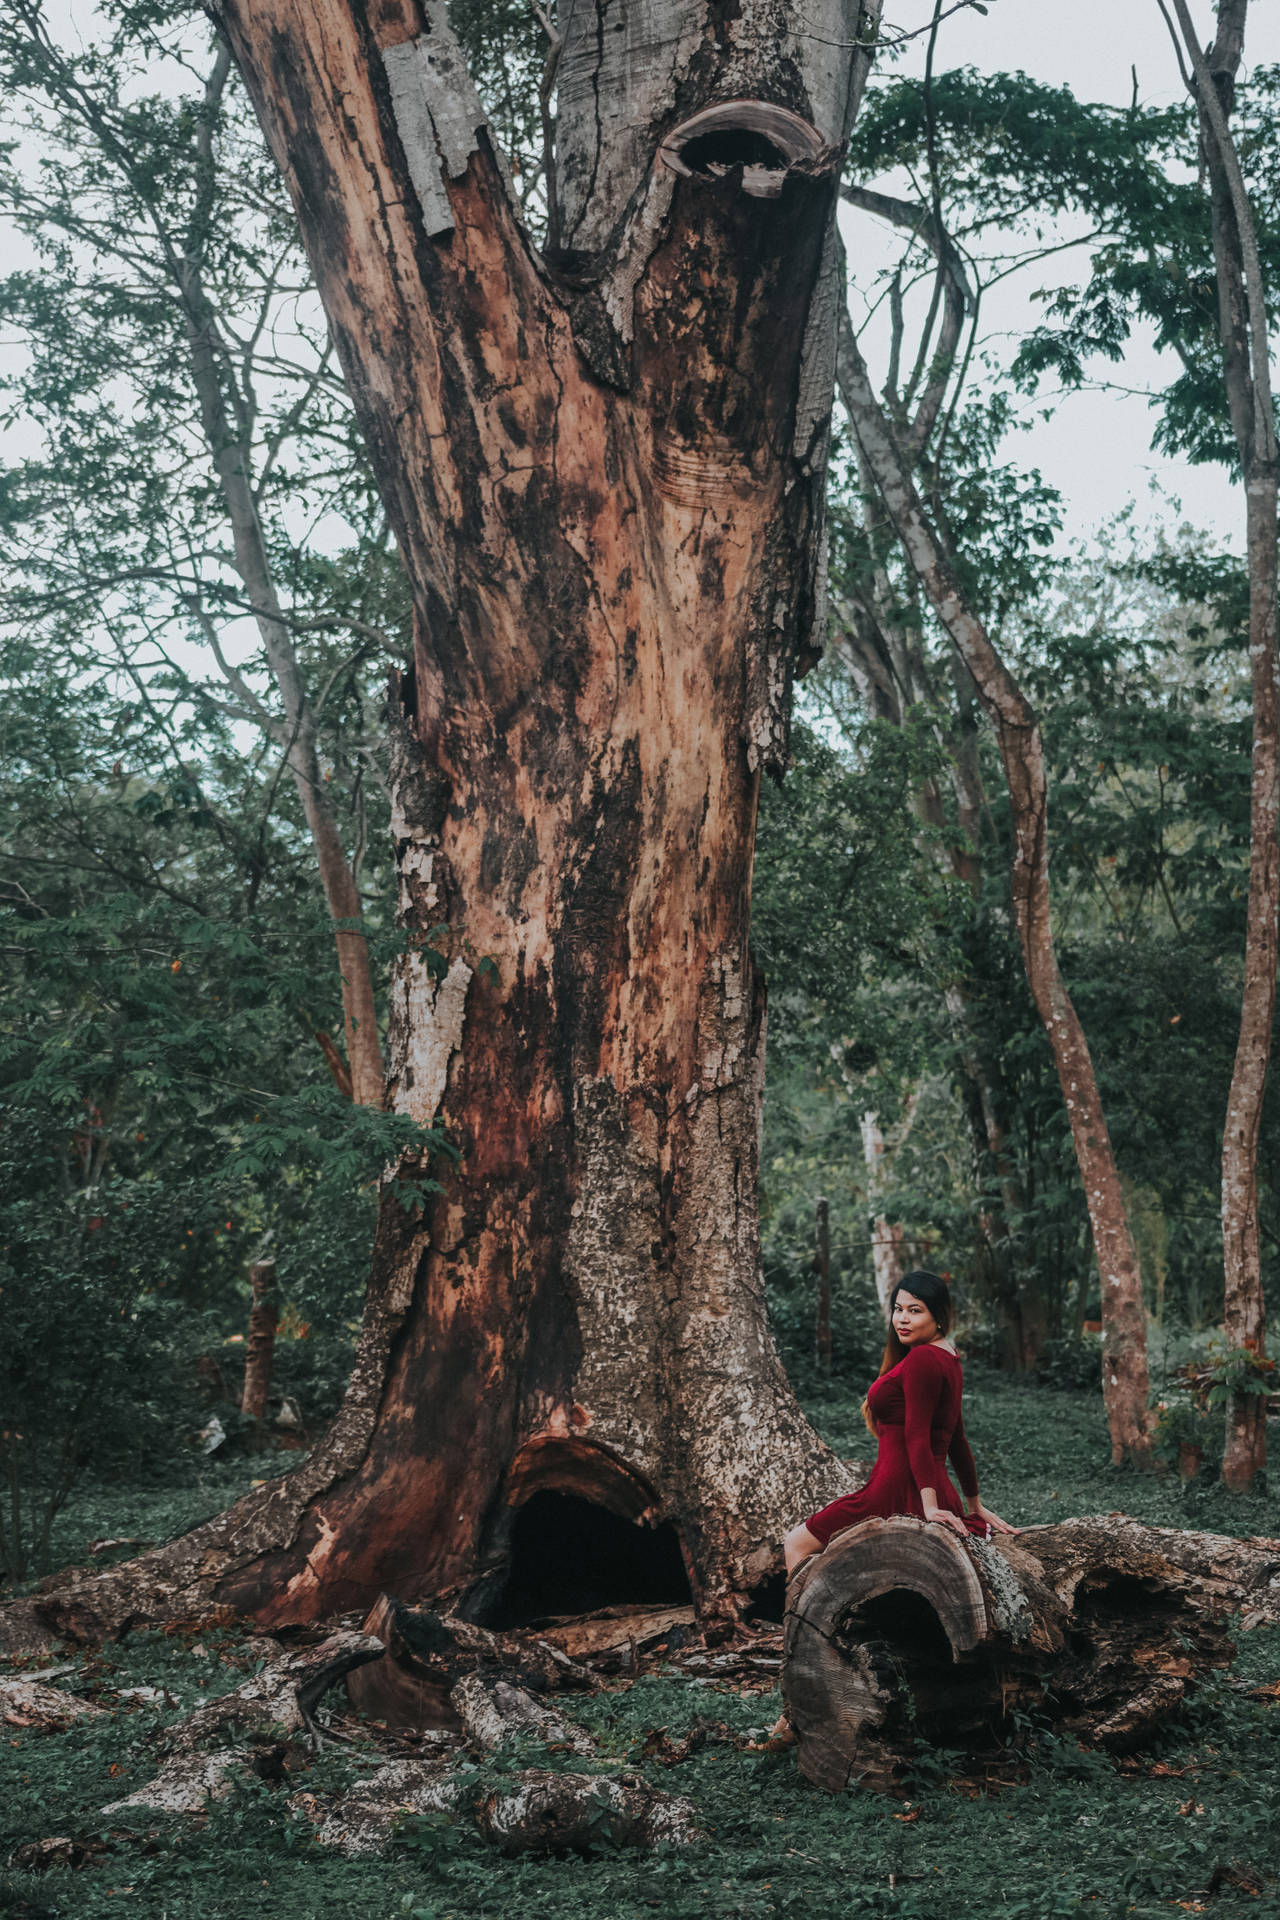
886, 1235
227, 413
607, 483
1019, 1308
1244, 1309
336, 1064
1124, 1366
264, 1317
1246, 365
887, 663
1017, 1296
298, 734
822, 1262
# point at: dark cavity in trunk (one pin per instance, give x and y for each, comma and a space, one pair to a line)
569, 1556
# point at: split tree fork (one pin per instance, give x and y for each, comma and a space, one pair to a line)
606, 478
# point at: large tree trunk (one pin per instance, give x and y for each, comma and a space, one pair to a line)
1242, 319
606, 476
1124, 1356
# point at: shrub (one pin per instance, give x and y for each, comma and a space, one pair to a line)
1073, 1360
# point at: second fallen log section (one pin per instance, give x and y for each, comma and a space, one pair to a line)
901, 1636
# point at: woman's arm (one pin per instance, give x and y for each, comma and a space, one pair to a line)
960, 1454
923, 1379
994, 1523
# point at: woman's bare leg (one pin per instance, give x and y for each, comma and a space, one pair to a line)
796, 1549
798, 1545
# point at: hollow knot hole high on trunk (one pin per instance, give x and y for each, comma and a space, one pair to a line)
760, 140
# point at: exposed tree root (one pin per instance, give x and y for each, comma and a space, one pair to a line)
27, 1703
537, 1810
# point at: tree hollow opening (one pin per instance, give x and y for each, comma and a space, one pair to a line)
898, 1645
753, 136
716, 152
767, 1601
904, 1624
1113, 1598
571, 1556
1124, 1617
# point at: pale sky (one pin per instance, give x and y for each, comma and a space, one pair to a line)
1088, 45
1097, 449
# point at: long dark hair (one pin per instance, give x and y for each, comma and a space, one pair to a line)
936, 1295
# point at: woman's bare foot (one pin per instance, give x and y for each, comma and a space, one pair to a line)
781, 1735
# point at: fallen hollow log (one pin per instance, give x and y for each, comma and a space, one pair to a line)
902, 1634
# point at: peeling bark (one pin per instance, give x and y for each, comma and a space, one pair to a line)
576, 1813
605, 472
538, 1812
493, 1712
28, 1703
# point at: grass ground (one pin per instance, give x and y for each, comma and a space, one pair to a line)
1081, 1835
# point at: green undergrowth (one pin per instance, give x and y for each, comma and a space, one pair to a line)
192, 1490
1080, 1834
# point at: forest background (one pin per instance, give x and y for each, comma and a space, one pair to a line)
195, 798
201, 613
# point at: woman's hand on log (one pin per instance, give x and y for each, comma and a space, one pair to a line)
993, 1520
945, 1518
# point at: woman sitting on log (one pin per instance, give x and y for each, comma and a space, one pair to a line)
913, 1408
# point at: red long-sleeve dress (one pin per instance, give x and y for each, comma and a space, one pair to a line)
916, 1407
